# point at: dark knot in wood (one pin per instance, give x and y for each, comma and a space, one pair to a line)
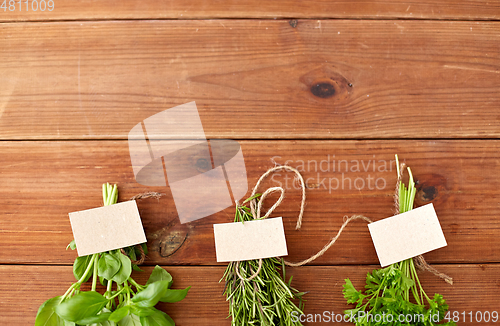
327, 83
172, 241
430, 188
429, 193
323, 90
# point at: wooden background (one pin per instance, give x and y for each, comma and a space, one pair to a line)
291, 80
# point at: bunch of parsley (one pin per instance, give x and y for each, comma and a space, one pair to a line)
388, 291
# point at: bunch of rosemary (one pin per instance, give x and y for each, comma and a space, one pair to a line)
267, 298
388, 291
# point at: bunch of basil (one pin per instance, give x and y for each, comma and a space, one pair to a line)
126, 304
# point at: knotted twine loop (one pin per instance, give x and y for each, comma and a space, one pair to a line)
419, 260
302, 186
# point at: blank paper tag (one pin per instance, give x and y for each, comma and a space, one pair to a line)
107, 228
250, 240
407, 235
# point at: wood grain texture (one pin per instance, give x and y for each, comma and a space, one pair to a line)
325, 79
330, 87
200, 9
205, 304
41, 182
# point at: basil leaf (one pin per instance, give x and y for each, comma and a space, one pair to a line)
136, 268
119, 314
81, 306
170, 321
174, 295
108, 266
125, 270
157, 319
131, 253
144, 248
130, 320
47, 316
103, 281
71, 245
95, 319
150, 296
159, 274
104, 323
80, 265
142, 311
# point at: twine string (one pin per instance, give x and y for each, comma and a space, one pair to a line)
302, 186
254, 275
320, 253
145, 195
255, 209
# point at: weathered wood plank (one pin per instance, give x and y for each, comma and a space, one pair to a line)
205, 304
200, 9
325, 79
40, 182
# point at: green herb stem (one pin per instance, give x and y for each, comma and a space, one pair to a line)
109, 287
137, 285
127, 289
69, 291
76, 285
94, 275
89, 268
118, 293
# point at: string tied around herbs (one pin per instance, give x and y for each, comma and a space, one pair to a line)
256, 207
